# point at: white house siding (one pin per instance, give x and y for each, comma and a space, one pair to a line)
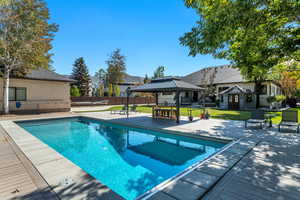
272, 90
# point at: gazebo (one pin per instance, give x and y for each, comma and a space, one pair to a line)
168, 84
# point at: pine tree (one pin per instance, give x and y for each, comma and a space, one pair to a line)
81, 76
116, 67
159, 72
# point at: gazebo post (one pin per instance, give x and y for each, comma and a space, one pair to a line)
127, 101
177, 107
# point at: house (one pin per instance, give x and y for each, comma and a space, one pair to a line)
229, 87
40, 90
128, 81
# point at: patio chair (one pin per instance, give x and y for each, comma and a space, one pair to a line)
257, 117
133, 108
123, 111
289, 119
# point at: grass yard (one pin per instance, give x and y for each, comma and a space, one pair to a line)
214, 113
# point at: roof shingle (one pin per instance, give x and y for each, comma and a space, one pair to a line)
222, 74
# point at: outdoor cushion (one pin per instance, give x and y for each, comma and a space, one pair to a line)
256, 120
289, 123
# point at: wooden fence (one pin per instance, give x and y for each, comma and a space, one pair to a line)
86, 101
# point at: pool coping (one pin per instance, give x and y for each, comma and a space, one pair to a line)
242, 147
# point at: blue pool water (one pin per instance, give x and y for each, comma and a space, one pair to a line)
129, 161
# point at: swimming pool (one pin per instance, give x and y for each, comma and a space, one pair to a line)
130, 161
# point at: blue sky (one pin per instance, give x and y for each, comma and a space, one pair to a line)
146, 31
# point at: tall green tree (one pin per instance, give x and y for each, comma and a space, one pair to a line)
110, 90
81, 75
255, 35
25, 39
101, 76
117, 91
116, 67
159, 72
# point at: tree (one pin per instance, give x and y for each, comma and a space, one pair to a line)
116, 67
101, 76
255, 35
117, 91
74, 91
100, 91
207, 81
146, 79
25, 39
159, 72
287, 75
110, 90
81, 76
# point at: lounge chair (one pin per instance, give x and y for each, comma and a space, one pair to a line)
289, 118
133, 108
123, 111
257, 117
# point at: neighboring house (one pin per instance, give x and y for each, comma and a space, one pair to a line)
128, 81
38, 91
232, 90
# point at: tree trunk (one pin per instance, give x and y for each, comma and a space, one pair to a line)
6, 90
257, 92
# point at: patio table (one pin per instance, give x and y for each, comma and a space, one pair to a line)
163, 113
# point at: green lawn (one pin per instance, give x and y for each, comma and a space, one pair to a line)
214, 113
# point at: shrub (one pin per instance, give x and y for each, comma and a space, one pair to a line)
291, 102
271, 99
74, 91
280, 98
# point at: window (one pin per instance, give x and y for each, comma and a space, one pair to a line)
236, 98
222, 99
230, 98
264, 89
17, 94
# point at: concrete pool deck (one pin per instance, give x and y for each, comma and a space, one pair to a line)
264, 164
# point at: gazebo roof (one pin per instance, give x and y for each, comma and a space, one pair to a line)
168, 84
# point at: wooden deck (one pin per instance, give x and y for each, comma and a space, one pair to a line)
18, 177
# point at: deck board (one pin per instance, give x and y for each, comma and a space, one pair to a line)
18, 178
